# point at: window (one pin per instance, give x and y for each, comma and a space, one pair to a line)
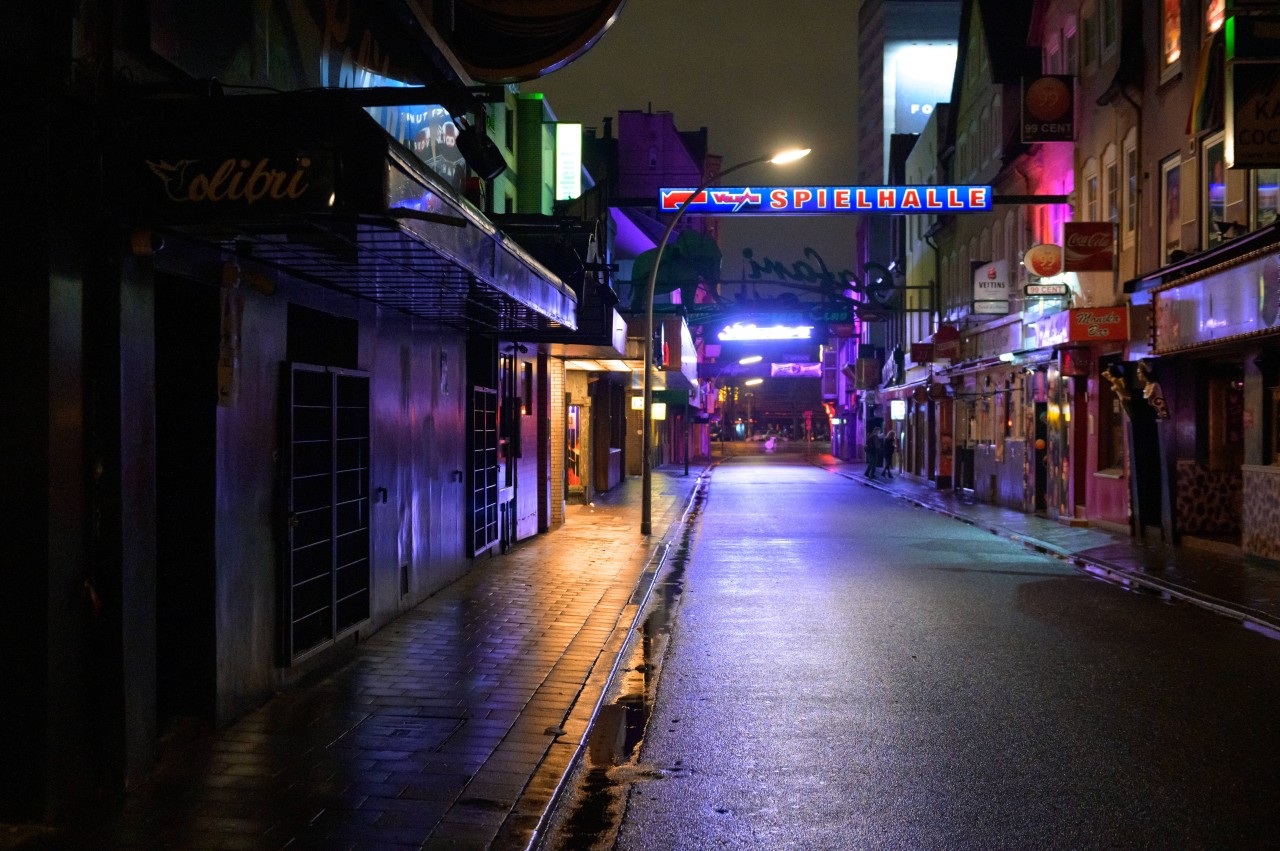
1171, 38
1215, 14
1011, 241
1214, 189
1070, 47
1113, 193
526, 389
1171, 205
1111, 185
1130, 185
1110, 26
1266, 204
1091, 195
997, 243
1053, 55
1089, 43
988, 134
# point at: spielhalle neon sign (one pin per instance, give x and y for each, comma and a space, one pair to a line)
827, 200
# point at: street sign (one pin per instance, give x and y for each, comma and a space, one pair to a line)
801, 313
1043, 290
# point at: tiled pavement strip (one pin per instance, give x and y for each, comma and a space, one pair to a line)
451, 727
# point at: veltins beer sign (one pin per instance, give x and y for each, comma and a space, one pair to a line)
1088, 246
991, 287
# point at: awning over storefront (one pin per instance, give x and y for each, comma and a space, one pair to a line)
1233, 251
316, 189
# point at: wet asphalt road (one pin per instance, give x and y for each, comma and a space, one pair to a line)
848, 672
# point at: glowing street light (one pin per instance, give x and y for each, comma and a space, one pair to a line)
646, 483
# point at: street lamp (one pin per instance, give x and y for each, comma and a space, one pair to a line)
646, 478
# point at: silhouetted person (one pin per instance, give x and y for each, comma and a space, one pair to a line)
888, 447
874, 441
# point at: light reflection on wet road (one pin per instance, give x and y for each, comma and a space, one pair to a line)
845, 671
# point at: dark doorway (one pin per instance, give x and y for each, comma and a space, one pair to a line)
187, 332
1041, 456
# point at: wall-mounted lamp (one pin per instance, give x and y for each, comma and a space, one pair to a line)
144, 242
480, 152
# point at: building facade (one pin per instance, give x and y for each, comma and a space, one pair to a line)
1129, 382
285, 377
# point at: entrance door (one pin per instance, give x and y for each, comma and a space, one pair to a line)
326, 583
1041, 456
186, 357
485, 470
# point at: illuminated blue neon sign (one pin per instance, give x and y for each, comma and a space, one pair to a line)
828, 200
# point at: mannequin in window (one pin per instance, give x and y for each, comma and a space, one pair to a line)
1151, 389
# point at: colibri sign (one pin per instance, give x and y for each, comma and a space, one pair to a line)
827, 200
249, 185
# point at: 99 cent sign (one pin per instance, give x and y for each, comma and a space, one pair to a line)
1048, 109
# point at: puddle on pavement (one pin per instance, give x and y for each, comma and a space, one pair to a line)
611, 768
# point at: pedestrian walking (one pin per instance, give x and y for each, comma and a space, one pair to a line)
873, 452
888, 447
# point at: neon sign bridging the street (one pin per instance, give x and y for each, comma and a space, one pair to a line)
828, 200
751, 331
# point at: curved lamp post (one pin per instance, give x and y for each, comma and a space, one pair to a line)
646, 483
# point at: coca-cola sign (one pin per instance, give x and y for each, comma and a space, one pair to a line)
1088, 246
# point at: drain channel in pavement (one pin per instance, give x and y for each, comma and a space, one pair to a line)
598, 800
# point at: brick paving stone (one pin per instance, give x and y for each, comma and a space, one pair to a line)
435, 733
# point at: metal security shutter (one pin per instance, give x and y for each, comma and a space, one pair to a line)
484, 469
326, 583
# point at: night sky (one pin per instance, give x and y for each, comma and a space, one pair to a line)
760, 76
